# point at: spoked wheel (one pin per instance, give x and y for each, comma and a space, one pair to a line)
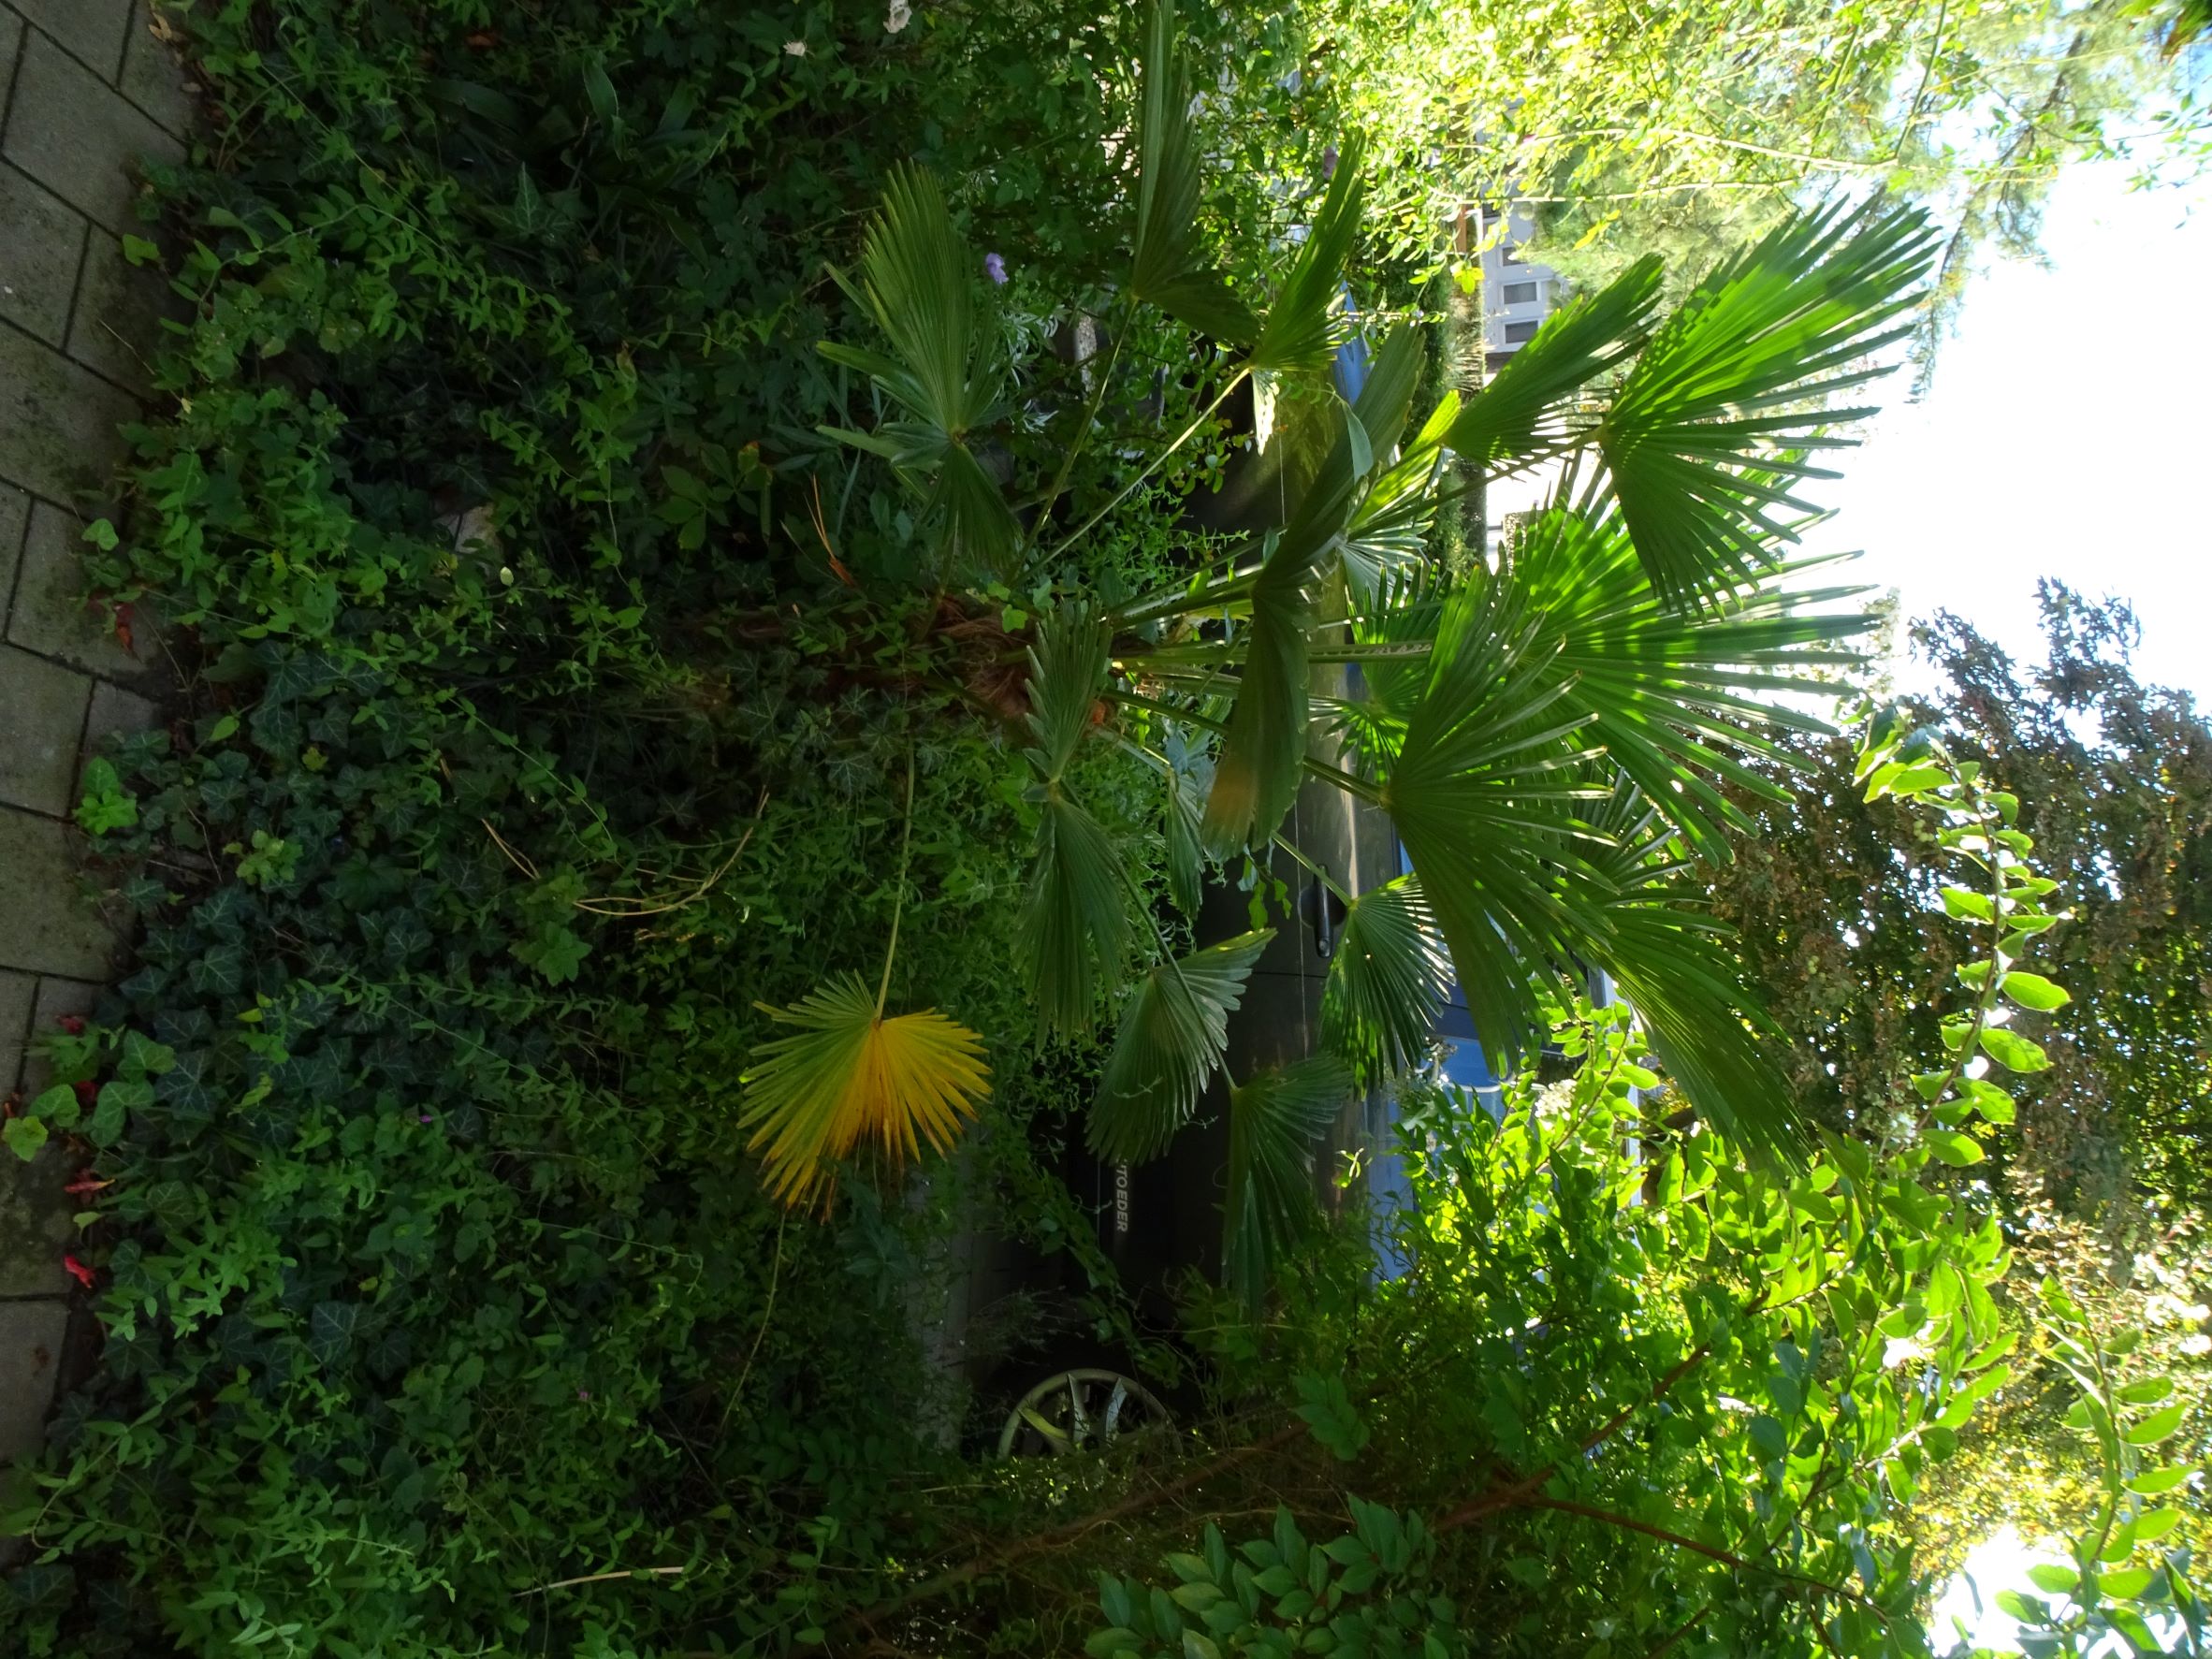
1083, 1410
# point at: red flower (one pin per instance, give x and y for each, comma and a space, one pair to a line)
88, 1092
77, 1271
72, 1024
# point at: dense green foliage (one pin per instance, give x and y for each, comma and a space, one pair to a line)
1687, 127
435, 1269
608, 623
1838, 912
1635, 1394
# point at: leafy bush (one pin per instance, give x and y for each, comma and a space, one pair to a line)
435, 1277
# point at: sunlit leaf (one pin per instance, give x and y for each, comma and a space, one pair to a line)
1707, 438
1388, 981
850, 1078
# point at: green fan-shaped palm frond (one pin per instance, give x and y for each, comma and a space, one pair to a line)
1075, 930
1185, 845
1170, 1039
1169, 270
1485, 790
1705, 440
1387, 537
1256, 775
1067, 676
850, 1077
1296, 334
1521, 414
1273, 1121
1671, 961
917, 282
1387, 983
1676, 698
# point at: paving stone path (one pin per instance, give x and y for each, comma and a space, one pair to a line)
88, 94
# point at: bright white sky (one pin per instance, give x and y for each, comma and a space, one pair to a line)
2065, 433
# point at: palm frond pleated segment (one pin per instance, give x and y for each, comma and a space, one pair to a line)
1274, 1122
1678, 699
1485, 790
1707, 438
849, 1078
1068, 666
1297, 335
1256, 775
1173, 1029
1075, 931
1388, 982
917, 282
1672, 962
1525, 413
1169, 267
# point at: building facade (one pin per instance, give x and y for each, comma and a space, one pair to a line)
1518, 293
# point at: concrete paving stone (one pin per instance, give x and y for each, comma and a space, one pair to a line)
19, 992
51, 927
15, 513
41, 245
153, 77
58, 421
31, 1335
56, 999
42, 707
34, 1229
77, 137
117, 713
11, 45
117, 327
53, 618
90, 29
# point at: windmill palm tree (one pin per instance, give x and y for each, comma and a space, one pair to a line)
1548, 737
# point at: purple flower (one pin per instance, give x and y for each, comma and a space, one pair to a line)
426, 1117
583, 1393
995, 267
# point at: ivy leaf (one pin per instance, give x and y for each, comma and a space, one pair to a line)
25, 1136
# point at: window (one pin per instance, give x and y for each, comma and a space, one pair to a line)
1510, 253
1518, 294
1518, 333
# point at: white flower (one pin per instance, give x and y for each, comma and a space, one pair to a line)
900, 15
794, 49
1903, 1350
2196, 1342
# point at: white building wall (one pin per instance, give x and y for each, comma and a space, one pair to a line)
1517, 294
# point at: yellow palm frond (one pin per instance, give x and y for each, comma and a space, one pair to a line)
849, 1076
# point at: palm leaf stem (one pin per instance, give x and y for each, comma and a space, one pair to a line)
898, 901
1153, 465
1349, 782
1319, 873
1090, 419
